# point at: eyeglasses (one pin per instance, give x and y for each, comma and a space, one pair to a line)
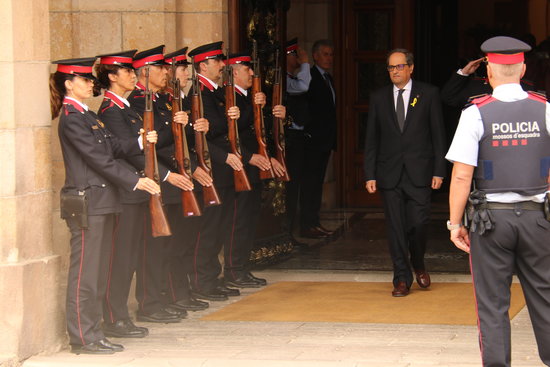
398, 67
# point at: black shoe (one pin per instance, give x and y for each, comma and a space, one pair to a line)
145, 330
160, 316
124, 329
259, 280
313, 232
92, 348
210, 295
230, 292
243, 281
107, 344
323, 229
177, 312
189, 304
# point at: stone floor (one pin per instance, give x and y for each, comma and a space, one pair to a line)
359, 254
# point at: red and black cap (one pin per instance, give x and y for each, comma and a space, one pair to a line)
152, 56
81, 67
178, 57
121, 58
208, 51
505, 50
292, 46
242, 58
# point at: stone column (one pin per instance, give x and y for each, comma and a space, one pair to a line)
31, 318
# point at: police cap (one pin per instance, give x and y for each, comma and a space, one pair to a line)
292, 46
178, 57
122, 58
208, 51
505, 50
242, 58
152, 56
81, 67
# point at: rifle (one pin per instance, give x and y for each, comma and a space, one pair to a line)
181, 150
259, 127
239, 177
209, 194
159, 223
278, 128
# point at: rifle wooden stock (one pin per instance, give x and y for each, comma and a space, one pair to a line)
259, 128
240, 178
159, 222
278, 127
181, 152
209, 193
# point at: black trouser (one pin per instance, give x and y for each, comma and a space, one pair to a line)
311, 190
246, 213
131, 232
407, 211
520, 241
180, 257
214, 232
295, 155
87, 278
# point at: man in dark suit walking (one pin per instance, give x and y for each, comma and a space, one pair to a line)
321, 131
404, 158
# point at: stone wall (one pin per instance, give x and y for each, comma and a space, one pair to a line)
31, 315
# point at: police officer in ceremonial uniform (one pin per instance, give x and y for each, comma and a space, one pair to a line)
185, 230
247, 205
503, 143
215, 220
150, 271
89, 199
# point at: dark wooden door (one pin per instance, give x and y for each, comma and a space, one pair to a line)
366, 31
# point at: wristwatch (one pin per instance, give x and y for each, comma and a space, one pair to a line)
450, 226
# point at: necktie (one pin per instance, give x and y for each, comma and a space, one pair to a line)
400, 109
328, 80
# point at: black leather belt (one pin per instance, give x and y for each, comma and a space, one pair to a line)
522, 205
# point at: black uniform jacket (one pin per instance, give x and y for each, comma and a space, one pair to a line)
218, 144
419, 149
89, 152
165, 144
247, 134
322, 112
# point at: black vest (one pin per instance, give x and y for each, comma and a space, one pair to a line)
514, 152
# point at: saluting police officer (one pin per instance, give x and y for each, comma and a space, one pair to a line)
503, 143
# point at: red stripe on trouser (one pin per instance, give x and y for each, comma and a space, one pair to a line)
477, 312
109, 276
195, 260
78, 287
142, 301
232, 238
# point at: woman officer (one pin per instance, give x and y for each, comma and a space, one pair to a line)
89, 199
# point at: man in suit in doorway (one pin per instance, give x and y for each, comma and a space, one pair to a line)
404, 159
321, 139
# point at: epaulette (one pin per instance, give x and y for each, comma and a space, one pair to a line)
537, 96
476, 100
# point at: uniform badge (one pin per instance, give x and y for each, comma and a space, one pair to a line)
169, 106
100, 123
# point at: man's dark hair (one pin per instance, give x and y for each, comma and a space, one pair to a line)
408, 55
319, 43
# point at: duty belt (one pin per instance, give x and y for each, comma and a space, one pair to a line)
522, 205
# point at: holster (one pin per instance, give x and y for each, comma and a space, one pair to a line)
547, 206
74, 205
479, 215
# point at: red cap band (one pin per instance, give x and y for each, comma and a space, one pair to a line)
176, 59
205, 55
291, 48
237, 60
113, 60
505, 58
73, 69
147, 60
